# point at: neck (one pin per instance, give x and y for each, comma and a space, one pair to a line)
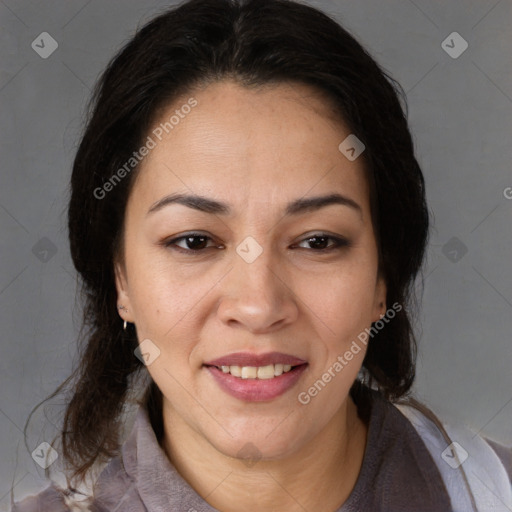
319, 476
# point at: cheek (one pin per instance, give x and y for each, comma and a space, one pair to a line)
342, 299
167, 314
157, 296
171, 302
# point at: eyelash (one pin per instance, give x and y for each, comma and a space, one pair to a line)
339, 243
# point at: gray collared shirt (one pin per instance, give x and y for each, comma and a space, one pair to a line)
397, 474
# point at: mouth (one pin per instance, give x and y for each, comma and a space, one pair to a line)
248, 359
266, 372
256, 383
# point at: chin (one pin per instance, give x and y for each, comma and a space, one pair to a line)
255, 446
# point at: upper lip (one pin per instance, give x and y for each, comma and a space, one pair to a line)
248, 359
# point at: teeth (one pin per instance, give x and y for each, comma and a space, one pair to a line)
236, 371
257, 372
265, 372
249, 372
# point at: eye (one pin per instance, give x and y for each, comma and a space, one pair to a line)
323, 242
197, 242
191, 242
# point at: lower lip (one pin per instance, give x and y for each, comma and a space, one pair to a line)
256, 390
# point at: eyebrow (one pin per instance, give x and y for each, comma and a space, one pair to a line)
297, 207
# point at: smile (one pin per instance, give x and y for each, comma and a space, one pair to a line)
256, 384
256, 372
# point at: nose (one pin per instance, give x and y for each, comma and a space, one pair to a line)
258, 296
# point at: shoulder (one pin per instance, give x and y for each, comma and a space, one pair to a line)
457, 441
52, 499
115, 484
472, 467
394, 454
113, 487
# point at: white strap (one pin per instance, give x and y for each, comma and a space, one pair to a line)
467, 453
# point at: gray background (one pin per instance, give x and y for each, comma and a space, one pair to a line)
460, 115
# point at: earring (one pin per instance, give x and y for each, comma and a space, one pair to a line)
125, 323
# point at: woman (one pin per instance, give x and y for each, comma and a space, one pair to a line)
248, 217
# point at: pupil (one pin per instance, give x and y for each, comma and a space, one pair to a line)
196, 242
318, 242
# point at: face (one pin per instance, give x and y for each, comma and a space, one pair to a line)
248, 231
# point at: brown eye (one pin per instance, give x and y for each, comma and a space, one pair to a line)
193, 242
323, 242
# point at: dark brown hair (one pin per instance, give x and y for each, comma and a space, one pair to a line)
253, 42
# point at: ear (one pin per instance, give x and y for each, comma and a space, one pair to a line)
123, 297
379, 303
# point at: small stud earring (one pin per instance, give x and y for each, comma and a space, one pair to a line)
124, 325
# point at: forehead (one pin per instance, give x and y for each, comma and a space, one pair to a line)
251, 145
